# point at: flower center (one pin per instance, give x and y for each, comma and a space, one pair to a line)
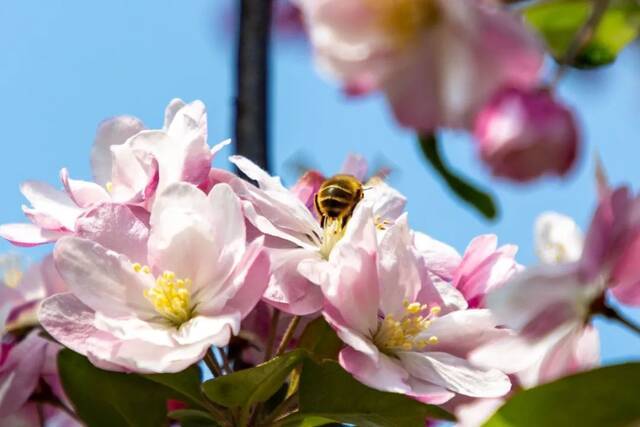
408, 332
404, 19
170, 296
332, 233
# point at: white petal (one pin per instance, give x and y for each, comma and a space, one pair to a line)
558, 238
455, 374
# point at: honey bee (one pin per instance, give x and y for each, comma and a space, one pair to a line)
337, 198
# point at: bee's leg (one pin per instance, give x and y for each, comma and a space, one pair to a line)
323, 219
344, 220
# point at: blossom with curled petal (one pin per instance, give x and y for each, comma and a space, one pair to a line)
161, 309
130, 164
437, 61
398, 337
299, 248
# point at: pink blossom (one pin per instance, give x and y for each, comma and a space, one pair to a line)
549, 307
484, 267
161, 312
437, 61
398, 338
27, 363
523, 134
129, 165
299, 248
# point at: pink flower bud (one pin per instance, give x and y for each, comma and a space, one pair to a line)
524, 134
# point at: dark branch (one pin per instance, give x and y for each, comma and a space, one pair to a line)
251, 114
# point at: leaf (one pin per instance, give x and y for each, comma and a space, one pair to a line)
559, 21
603, 397
103, 398
249, 386
328, 393
193, 418
185, 385
320, 340
479, 199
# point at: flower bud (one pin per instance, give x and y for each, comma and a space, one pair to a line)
524, 134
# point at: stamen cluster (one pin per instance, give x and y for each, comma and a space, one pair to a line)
407, 332
170, 296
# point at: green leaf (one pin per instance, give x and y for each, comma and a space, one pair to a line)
559, 21
330, 394
103, 398
193, 418
479, 199
249, 386
603, 397
184, 386
320, 340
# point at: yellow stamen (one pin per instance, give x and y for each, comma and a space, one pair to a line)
404, 19
11, 268
406, 332
109, 186
170, 296
333, 232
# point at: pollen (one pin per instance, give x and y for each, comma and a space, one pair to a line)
409, 332
109, 186
381, 223
171, 296
404, 19
332, 233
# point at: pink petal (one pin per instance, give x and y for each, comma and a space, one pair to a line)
83, 193
102, 279
355, 165
51, 202
307, 187
455, 374
288, 289
29, 234
352, 288
439, 258
20, 372
70, 321
116, 227
385, 374
111, 132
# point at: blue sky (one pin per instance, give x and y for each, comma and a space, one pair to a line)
65, 66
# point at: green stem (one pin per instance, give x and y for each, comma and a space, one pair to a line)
291, 329
212, 364
273, 329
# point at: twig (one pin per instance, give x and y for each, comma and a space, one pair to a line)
283, 408
225, 361
581, 39
611, 313
251, 118
273, 329
291, 329
212, 364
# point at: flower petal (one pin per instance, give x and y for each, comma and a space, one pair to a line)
83, 193
29, 234
48, 201
118, 228
383, 374
455, 374
111, 132
102, 279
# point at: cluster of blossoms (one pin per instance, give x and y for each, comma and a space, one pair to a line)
162, 257
461, 64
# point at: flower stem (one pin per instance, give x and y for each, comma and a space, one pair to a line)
273, 329
291, 329
580, 40
212, 364
225, 361
611, 313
